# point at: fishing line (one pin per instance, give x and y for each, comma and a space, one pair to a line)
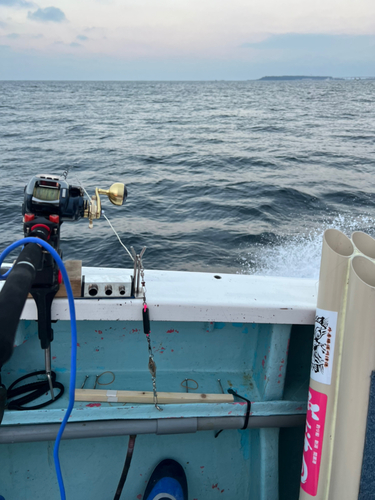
106, 218
114, 230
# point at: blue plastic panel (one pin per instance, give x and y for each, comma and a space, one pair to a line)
250, 358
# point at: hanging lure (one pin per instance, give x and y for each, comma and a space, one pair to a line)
147, 331
151, 361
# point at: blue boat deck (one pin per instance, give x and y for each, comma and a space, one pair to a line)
266, 363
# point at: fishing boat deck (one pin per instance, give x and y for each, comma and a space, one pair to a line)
253, 333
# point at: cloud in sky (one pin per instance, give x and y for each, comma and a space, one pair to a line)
188, 39
16, 3
48, 14
13, 35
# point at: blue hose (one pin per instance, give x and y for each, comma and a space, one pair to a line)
4, 277
73, 356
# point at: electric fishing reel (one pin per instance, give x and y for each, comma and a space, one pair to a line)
51, 197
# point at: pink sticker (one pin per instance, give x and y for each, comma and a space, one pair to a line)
314, 433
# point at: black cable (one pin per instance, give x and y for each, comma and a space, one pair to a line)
126, 468
248, 407
33, 391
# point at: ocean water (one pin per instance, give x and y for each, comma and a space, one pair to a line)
236, 177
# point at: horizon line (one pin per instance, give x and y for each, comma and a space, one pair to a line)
187, 80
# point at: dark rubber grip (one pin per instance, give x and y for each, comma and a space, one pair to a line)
146, 321
14, 294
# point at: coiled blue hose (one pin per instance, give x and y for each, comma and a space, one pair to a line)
73, 355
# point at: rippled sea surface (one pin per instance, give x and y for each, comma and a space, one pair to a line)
221, 176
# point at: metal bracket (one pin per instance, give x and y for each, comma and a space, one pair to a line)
137, 269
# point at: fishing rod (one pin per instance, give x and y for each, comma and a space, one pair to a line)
49, 200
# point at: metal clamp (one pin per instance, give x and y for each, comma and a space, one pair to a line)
137, 268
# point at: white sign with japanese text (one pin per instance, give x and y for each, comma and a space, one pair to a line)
313, 445
323, 346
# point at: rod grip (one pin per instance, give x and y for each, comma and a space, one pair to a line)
14, 294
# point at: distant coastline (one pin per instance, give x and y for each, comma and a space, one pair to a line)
301, 77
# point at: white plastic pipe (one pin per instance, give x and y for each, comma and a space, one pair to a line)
358, 361
325, 365
364, 244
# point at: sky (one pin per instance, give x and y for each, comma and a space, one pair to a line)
185, 39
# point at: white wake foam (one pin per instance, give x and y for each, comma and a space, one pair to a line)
299, 255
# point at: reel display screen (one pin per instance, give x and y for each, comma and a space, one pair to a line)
44, 193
